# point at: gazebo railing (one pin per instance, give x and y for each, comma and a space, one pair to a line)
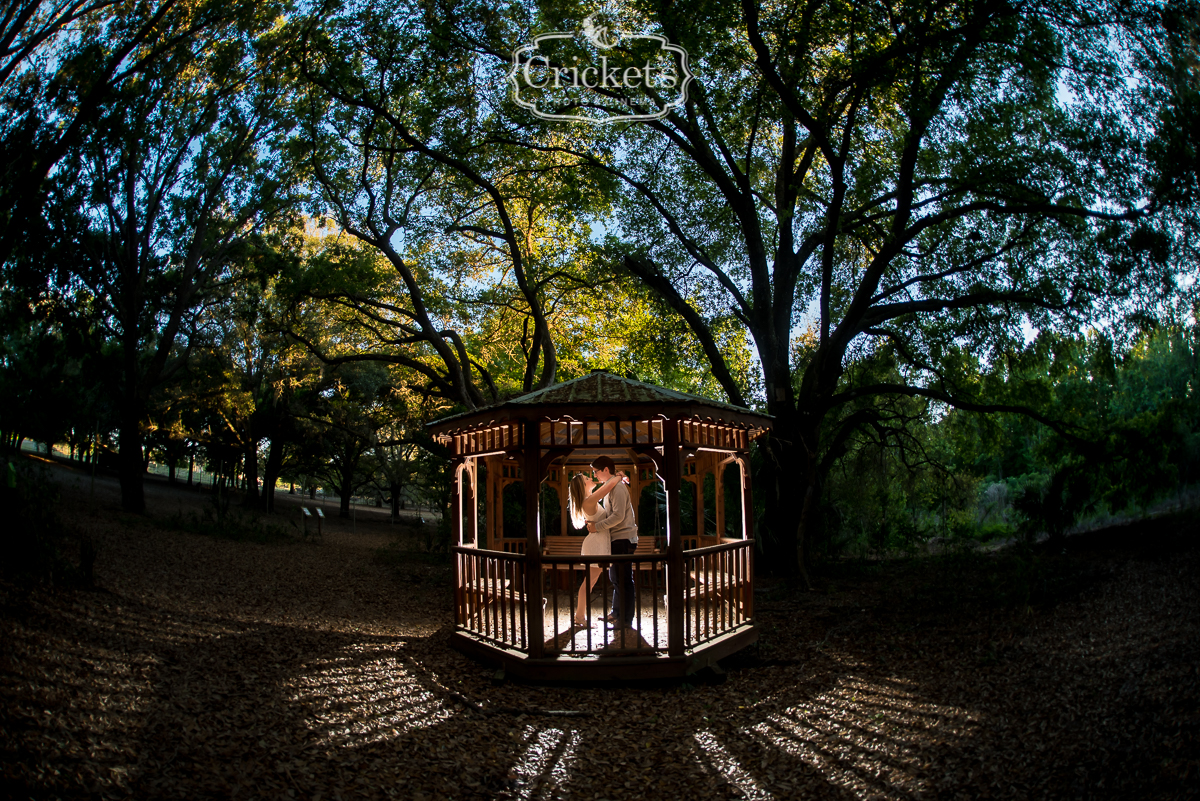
562, 578
719, 595
490, 600
489, 597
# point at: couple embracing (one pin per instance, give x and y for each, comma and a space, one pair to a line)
611, 530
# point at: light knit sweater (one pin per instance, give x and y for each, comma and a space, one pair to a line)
618, 520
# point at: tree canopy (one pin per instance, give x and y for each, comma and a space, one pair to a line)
316, 227
927, 182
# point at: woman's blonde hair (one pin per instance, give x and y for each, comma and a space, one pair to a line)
576, 492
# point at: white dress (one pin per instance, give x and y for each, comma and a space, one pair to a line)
596, 543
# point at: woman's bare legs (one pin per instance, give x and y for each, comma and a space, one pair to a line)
585, 587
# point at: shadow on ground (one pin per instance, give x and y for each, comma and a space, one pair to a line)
868, 689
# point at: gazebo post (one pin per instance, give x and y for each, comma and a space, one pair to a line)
747, 499
531, 477
564, 513
748, 531
471, 500
456, 503
719, 496
456, 531
671, 469
489, 502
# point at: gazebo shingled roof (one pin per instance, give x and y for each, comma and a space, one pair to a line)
599, 389
694, 591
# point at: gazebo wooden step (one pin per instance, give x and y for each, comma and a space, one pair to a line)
617, 666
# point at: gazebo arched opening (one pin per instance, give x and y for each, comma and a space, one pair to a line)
517, 576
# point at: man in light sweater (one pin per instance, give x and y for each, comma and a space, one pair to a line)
619, 522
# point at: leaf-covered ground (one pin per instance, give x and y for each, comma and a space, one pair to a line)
203, 666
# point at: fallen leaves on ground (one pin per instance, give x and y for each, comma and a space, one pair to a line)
206, 667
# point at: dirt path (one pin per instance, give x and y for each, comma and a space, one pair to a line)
207, 667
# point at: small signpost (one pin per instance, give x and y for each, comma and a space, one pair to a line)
306, 515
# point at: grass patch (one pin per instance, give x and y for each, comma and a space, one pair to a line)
398, 554
35, 546
221, 519
1017, 577
413, 564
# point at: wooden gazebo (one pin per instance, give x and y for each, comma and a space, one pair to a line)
515, 577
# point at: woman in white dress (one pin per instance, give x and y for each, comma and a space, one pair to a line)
583, 497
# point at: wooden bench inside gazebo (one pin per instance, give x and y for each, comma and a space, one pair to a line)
517, 556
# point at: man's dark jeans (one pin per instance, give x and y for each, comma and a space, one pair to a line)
621, 576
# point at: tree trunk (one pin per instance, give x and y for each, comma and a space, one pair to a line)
251, 476
791, 495
779, 486
271, 474
394, 489
132, 465
346, 475
806, 529
349, 465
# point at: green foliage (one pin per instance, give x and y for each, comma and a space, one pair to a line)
854, 224
1128, 427
409, 557
35, 546
50, 380
920, 183
222, 519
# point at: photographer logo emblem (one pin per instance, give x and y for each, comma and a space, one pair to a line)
599, 74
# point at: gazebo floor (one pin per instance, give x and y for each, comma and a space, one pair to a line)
648, 633
595, 653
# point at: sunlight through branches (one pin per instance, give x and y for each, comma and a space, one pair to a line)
367, 694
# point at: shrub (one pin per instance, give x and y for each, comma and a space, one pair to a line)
35, 545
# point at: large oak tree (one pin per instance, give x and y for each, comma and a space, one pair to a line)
923, 178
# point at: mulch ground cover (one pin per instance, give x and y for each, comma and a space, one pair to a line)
284, 666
